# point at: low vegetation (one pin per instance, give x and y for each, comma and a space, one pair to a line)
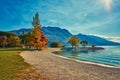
56, 44
11, 63
32, 74
13, 67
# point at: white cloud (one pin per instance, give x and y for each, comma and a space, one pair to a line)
78, 16
115, 39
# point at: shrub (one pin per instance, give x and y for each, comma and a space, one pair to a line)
55, 44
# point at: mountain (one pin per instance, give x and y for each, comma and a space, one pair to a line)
18, 32
96, 40
52, 34
56, 34
62, 36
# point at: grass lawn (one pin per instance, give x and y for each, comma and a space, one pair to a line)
11, 63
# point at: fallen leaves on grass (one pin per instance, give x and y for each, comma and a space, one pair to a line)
32, 74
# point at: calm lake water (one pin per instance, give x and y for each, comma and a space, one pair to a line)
110, 55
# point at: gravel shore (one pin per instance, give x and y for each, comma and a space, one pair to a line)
63, 69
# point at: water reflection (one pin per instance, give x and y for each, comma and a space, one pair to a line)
109, 55
74, 54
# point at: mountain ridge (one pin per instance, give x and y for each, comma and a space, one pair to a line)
62, 36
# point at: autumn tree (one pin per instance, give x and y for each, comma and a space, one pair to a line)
74, 41
14, 41
8, 39
36, 37
3, 41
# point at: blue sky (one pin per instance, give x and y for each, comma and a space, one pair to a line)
100, 17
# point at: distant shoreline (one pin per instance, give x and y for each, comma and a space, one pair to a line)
82, 48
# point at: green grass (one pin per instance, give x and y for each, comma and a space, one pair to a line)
11, 63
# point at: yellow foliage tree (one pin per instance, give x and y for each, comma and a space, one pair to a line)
36, 37
14, 41
3, 41
74, 41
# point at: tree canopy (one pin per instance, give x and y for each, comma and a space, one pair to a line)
55, 44
8, 39
84, 43
74, 41
36, 38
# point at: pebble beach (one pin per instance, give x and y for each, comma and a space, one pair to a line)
63, 69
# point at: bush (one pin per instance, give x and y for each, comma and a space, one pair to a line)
55, 44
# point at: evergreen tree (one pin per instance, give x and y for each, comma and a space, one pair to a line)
55, 44
22, 37
84, 43
36, 21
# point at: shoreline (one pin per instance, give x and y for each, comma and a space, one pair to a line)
84, 48
86, 62
60, 68
82, 61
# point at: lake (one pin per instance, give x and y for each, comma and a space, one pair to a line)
109, 56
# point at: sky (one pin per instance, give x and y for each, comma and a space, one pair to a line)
98, 17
